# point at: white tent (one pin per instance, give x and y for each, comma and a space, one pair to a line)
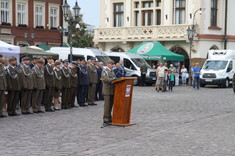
9, 50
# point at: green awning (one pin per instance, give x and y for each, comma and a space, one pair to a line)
44, 46
155, 51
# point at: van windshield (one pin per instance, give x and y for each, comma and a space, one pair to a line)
215, 65
103, 59
139, 61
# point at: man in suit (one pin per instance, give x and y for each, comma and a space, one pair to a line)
33, 62
98, 93
26, 81
108, 91
39, 86
65, 85
13, 84
3, 86
74, 84
49, 78
83, 83
92, 73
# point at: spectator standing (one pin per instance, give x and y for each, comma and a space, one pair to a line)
196, 74
160, 72
118, 71
171, 80
184, 75
143, 70
123, 69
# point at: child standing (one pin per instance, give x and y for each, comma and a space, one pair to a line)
171, 80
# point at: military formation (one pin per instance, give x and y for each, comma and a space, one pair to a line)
47, 82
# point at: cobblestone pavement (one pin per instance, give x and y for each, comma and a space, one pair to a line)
185, 122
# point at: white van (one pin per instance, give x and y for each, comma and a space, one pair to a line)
218, 68
132, 63
87, 53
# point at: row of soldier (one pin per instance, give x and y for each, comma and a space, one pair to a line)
39, 83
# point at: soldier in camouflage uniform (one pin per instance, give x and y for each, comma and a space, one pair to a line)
65, 85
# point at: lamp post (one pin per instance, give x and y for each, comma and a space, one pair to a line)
30, 41
191, 34
71, 20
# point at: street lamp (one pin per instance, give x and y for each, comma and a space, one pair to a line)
26, 36
72, 20
191, 34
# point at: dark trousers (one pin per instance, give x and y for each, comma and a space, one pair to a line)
13, 97
25, 100
108, 105
234, 90
37, 99
171, 85
65, 97
82, 94
2, 100
48, 97
143, 76
72, 95
196, 81
98, 92
91, 93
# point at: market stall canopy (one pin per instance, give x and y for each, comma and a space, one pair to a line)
9, 50
155, 51
44, 46
33, 51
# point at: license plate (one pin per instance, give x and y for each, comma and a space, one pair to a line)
154, 78
209, 80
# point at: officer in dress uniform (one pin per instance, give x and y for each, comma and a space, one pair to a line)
98, 92
58, 84
49, 78
3, 86
74, 84
39, 86
13, 84
92, 73
65, 85
83, 84
26, 81
108, 91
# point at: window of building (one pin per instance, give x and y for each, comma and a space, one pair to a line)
118, 15
5, 12
158, 2
158, 17
147, 18
39, 15
148, 4
21, 13
136, 4
214, 12
137, 14
179, 11
53, 17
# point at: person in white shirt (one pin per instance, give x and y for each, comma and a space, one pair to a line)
160, 72
184, 75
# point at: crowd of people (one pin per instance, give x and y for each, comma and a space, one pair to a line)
45, 82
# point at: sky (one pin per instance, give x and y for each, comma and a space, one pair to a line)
90, 10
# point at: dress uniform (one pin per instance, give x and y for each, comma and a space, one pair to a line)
39, 86
3, 87
49, 79
74, 83
92, 73
13, 84
83, 84
65, 85
26, 81
58, 84
108, 91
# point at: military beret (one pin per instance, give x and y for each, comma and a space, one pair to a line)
49, 57
39, 61
110, 62
12, 59
57, 63
25, 58
65, 61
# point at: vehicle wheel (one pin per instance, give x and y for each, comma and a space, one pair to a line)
226, 85
136, 82
202, 85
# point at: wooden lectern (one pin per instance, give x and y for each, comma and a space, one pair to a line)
122, 101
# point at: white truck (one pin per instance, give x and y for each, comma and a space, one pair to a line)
218, 69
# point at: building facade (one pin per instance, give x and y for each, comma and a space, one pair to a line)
31, 22
124, 24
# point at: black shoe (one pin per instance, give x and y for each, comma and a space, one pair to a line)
94, 104
15, 114
90, 104
41, 111
50, 110
3, 116
107, 123
36, 112
82, 105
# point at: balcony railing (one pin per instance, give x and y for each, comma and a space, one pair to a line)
156, 33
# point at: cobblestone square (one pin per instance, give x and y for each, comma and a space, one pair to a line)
185, 122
